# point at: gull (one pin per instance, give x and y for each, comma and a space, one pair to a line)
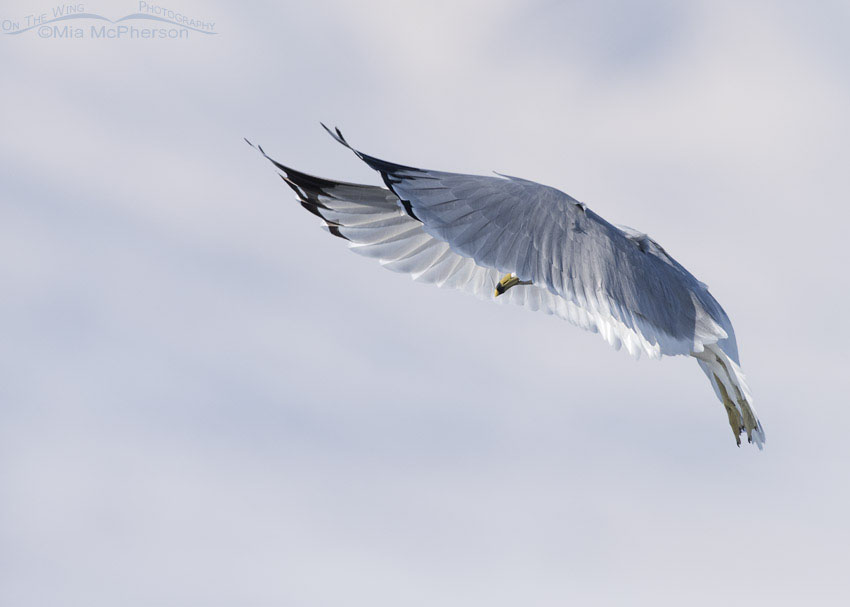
532, 245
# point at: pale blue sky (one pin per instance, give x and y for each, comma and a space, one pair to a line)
205, 400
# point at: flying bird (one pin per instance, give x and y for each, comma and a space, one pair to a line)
534, 246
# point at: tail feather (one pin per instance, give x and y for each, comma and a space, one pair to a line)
731, 388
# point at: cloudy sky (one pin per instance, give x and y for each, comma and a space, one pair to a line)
205, 400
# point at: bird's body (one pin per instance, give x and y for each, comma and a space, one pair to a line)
556, 255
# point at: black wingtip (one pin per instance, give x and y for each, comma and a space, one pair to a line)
337, 135
330, 132
257, 147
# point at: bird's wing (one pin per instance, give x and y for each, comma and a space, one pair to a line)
374, 223
466, 231
629, 286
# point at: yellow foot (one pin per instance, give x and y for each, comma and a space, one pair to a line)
508, 281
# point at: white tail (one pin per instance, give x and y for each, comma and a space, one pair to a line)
731, 388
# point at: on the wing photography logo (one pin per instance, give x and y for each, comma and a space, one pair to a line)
150, 21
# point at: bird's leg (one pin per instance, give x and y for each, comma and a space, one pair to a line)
731, 411
508, 281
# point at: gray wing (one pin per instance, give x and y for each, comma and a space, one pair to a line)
626, 285
374, 224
